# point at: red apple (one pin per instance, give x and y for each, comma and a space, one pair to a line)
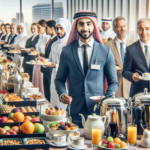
35, 119
7, 133
105, 142
4, 119
10, 130
13, 132
111, 145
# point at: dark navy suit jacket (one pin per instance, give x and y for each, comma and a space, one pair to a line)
135, 59
82, 86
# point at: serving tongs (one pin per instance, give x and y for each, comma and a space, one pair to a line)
69, 117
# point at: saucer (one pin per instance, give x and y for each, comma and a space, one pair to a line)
63, 145
83, 147
145, 78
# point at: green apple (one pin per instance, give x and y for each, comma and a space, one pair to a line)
110, 139
10, 116
117, 146
39, 128
6, 128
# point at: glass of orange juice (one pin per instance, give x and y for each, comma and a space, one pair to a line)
132, 133
96, 135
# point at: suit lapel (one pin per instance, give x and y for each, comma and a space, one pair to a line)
141, 53
117, 52
93, 57
76, 56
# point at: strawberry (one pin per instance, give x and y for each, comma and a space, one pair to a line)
71, 125
62, 123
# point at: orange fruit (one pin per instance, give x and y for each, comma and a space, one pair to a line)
18, 116
9, 120
117, 140
27, 127
122, 144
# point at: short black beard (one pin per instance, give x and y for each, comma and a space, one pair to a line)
85, 38
61, 37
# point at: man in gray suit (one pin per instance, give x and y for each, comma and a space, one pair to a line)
85, 61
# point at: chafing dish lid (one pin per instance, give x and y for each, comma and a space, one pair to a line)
142, 94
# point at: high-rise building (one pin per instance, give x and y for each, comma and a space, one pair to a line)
18, 18
43, 11
1, 21
13, 20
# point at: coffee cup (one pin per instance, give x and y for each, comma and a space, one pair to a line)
74, 134
59, 139
77, 142
146, 75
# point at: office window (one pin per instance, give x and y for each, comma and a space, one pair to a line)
9, 10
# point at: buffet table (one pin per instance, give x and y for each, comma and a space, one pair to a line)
87, 141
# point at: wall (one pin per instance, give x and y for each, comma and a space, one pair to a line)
132, 10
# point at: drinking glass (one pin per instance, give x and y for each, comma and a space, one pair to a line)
96, 135
132, 133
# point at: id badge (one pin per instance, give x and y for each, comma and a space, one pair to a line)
95, 67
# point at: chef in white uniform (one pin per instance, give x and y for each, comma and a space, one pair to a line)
63, 27
107, 30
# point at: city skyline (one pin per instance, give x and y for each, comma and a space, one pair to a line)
7, 12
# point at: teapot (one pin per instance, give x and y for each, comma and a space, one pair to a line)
91, 121
145, 139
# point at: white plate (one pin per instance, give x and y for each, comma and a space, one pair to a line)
83, 147
109, 148
95, 97
144, 78
51, 117
24, 49
15, 52
32, 54
28, 62
63, 145
7, 45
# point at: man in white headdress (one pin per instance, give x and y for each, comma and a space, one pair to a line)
107, 30
63, 27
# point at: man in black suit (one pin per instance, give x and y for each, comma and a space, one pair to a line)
137, 58
50, 30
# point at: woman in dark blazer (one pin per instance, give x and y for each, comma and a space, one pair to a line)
31, 43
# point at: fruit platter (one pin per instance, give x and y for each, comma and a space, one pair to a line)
111, 143
19, 116
4, 109
61, 127
54, 114
22, 129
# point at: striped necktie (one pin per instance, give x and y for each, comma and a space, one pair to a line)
48, 43
122, 51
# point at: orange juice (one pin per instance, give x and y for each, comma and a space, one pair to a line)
96, 136
132, 134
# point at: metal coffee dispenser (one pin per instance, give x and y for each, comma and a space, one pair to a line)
17, 81
142, 101
116, 110
1, 75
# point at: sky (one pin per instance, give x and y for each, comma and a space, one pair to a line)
8, 8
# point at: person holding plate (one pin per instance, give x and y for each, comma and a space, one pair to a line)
84, 63
30, 43
37, 79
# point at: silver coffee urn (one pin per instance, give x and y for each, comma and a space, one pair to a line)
17, 81
116, 110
